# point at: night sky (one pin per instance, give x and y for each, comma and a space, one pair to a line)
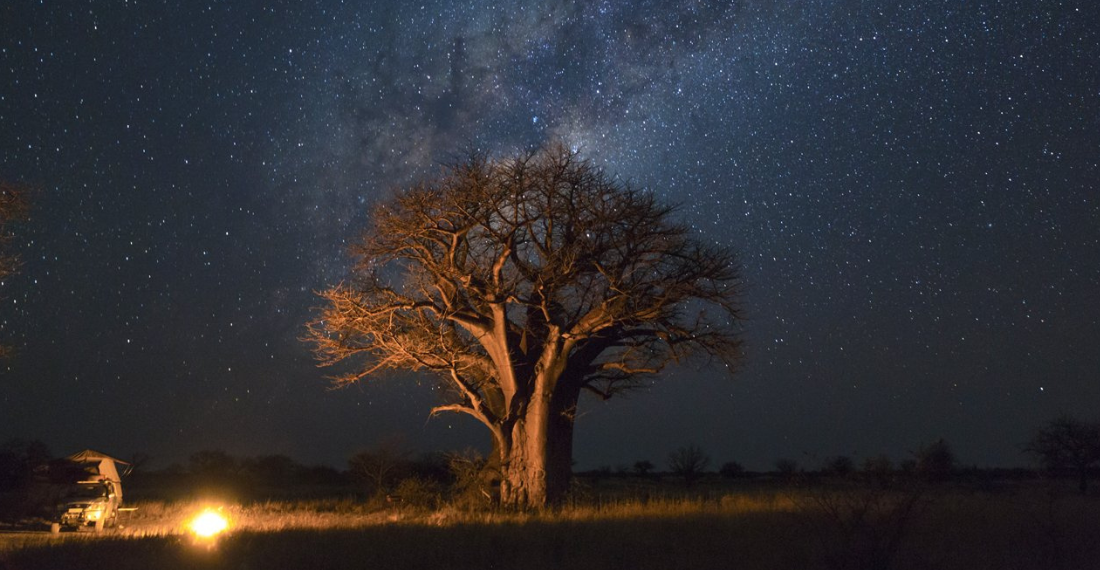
913, 187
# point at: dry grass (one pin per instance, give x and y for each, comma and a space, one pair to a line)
159, 518
825, 527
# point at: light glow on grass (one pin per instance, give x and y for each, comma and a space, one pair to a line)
208, 524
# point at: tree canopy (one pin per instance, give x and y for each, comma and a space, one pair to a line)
520, 283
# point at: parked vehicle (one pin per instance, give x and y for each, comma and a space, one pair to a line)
90, 503
92, 492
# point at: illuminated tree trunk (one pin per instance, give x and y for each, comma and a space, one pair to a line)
537, 460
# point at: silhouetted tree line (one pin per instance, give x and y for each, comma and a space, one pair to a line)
379, 472
18, 460
1065, 447
261, 476
935, 461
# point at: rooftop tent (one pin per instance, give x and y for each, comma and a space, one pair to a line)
99, 466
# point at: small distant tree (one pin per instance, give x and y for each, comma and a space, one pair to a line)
323, 475
840, 465
731, 469
935, 461
213, 464
861, 523
877, 466
643, 468
272, 469
786, 467
688, 462
600, 473
380, 469
1068, 443
18, 459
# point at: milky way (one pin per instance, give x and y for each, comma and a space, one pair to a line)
912, 187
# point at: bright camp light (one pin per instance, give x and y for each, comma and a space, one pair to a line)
208, 524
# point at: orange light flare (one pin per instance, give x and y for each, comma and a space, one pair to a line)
208, 524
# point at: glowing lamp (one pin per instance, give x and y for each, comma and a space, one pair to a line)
208, 524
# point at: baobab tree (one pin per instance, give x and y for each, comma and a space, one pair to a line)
521, 283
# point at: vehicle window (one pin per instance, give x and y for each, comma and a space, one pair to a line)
89, 492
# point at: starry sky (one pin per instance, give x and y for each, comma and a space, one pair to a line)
912, 186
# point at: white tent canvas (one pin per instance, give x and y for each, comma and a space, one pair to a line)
100, 467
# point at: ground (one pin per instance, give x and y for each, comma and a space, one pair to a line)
820, 524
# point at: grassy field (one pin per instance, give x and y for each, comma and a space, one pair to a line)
829, 525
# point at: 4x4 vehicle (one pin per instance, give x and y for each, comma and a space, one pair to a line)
87, 490
90, 503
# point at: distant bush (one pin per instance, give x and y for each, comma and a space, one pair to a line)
877, 465
1068, 444
935, 461
379, 470
275, 470
731, 469
19, 460
840, 466
323, 475
786, 467
689, 462
432, 467
475, 481
860, 524
416, 492
213, 464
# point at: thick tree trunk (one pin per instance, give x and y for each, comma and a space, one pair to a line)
537, 464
